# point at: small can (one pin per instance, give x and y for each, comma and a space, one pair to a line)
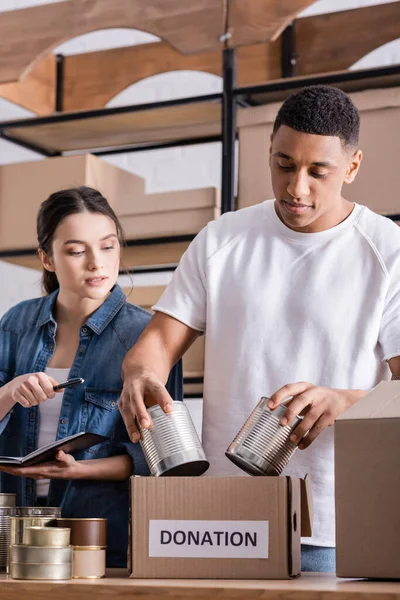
19, 524
7, 500
46, 536
39, 511
41, 555
53, 572
262, 446
86, 532
6, 512
88, 563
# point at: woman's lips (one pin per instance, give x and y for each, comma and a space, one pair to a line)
296, 209
96, 281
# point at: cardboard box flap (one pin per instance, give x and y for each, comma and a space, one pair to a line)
383, 402
307, 507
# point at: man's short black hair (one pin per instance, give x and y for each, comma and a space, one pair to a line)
321, 110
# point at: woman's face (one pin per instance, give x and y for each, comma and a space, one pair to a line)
85, 255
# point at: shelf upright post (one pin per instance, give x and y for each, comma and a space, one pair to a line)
229, 109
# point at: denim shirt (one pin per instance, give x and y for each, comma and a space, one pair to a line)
27, 341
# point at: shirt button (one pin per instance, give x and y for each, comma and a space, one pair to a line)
32, 416
63, 421
81, 350
113, 403
84, 329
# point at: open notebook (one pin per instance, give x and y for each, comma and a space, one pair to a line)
72, 443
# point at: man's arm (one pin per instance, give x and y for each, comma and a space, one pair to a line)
146, 367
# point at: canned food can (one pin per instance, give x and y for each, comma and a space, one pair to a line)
52, 572
262, 446
46, 536
5, 535
7, 500
41, 555
88, 563
171, 445
19, 524
86, 532
39, 511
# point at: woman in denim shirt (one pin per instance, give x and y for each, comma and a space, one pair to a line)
82, 328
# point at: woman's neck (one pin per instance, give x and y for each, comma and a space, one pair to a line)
74, 311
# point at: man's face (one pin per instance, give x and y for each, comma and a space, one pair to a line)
308, 172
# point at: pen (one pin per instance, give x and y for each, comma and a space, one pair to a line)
75, 381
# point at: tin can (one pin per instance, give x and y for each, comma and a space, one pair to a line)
7, 500
39, 511
19, 524
88, 563
52, 572
41, 555
86, 532
262, 446
6, 512
46, 536
171, 445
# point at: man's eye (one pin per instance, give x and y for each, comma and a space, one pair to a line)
318, 175
108, 248
72, 253
285, 168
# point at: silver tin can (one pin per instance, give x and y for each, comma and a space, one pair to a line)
19, 524
46, 536
39, 511
41, 555
7, 500
5, 535
262, 446
171, 445
52, 572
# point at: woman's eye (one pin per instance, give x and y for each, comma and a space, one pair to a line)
108, 248
72, 253
285, 168
318, 175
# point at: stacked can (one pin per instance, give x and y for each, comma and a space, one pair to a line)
7, 510
45, 553
89, 541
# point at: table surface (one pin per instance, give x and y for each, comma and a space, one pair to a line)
117, 585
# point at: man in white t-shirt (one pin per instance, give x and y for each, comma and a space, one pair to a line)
298, 297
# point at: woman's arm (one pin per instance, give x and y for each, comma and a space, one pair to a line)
113, 468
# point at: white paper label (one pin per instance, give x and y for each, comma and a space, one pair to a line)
208, 539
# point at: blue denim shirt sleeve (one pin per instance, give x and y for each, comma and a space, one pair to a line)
6, 368
174, 386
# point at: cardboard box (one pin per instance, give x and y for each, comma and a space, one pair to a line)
215, 527
24, 186
367, 465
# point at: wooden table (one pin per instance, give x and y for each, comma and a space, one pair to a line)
117, 585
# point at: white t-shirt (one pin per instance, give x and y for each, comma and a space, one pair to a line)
279, 307
49, 412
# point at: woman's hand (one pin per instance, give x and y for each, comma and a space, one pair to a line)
63, 467
31, 389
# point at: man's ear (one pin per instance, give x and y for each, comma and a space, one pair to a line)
353, 166
46, 261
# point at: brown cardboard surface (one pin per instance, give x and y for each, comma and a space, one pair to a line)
367, 467
272, 499
307, 507
24, 186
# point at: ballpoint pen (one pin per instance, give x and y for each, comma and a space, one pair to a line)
69, 383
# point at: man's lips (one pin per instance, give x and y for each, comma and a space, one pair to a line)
296, 209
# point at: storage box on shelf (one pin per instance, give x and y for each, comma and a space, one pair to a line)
24, 186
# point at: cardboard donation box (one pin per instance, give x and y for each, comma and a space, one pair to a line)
367, 464
215, 527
